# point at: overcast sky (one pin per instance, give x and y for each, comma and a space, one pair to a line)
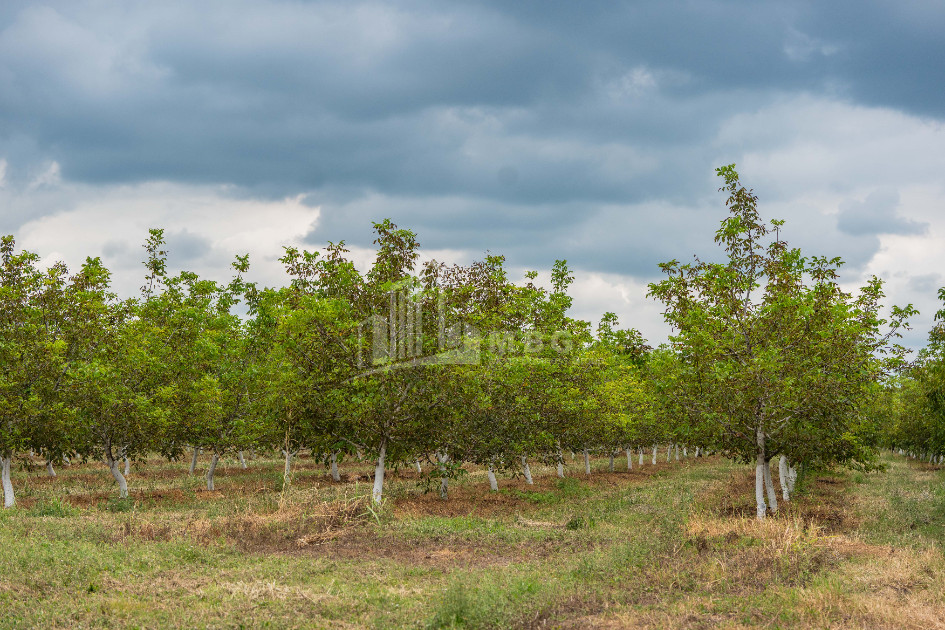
536, 129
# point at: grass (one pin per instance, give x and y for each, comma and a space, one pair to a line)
672, 545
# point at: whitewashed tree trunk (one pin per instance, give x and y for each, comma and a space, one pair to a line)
242, 459
287, 472
335, 475
527, 470
698, 451
611, 461
669, 453
783, 478
761, 508
760, 438
8, 499
640, 461
655, 448
444, 480
378, 494
677, 452
493, 482
116, 473
587, 462
49, 468
419, 469
792, 478
193, 460
127, 466
629, 459
685, 452
769, 487
213, 468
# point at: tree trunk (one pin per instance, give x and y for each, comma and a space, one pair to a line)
685, 452
783, 478
527, 470
288, 463
640, 461
629, 459
587, 462
8, 499
127, 466
611, 461
493, 483
213, 468
677, 452
761, 508
769, 487
560, 467
669, 453
419, 469
378, 494
49, 468
193, 460
242, 459
444, 480
792, 478
116, 473
334, 467
655, 447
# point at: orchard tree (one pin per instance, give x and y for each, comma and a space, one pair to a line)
25, 352
775, 357
921, 415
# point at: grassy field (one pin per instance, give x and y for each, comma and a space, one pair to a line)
666, 546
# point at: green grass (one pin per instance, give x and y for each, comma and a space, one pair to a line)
658, 548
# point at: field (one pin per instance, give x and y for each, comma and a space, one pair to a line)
666, 546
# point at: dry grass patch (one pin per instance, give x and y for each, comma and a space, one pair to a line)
303, 521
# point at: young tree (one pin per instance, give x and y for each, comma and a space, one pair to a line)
775, 357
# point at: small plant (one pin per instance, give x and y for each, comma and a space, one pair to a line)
576, 522
377, 511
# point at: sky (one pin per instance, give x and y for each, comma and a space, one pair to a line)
538, 130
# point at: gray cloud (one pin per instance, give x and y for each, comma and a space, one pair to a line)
877, 214
185, 247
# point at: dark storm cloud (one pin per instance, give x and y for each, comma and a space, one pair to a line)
553, 128
283, 96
